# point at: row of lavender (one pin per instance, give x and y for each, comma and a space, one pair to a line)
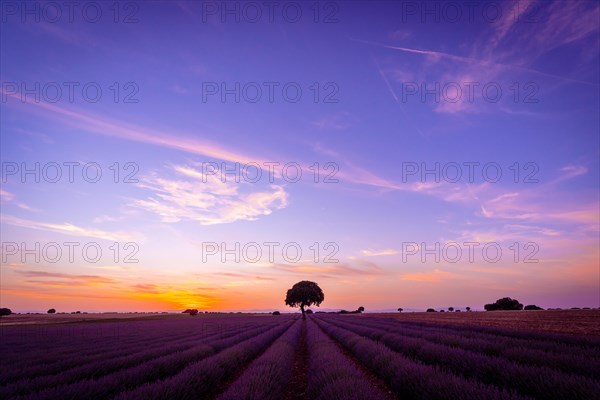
59, 357
550, 351
207, 377
61, 341
410, 378
330, 374
429, 361
102, 370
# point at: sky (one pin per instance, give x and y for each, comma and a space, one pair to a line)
170, 155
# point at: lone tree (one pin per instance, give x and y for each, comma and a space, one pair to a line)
505, 303
400, 309
360, 309
52, 311
468, 308
450, 309
5, 311
304, 294
430, 310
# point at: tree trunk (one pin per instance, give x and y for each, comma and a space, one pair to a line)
302, 309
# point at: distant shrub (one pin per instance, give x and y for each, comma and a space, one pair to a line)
276, 313
5, 311
575, 308
450, 309
52, 311
457, 310
400, 309
468, 308
309, 311
193, 312
442, 310
430, 310
360, 309
505, 303
532, 307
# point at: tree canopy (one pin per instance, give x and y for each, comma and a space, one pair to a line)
304, 294
532, 307
505, 303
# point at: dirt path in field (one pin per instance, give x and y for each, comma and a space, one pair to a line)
299, 382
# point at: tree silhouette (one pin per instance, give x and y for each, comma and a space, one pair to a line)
468, 308
400, 309
51, 311
360, 309
532, 307
5, 311
450, 309
430, 310
304, 294
505, 303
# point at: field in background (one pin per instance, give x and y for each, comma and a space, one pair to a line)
578, 322
33, 319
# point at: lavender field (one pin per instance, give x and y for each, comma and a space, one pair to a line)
283, 357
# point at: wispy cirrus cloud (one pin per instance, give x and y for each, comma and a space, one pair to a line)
69, 229
493, 57
335, 122
61, 279
434, 276
11, 198
377, 253
358, 267
197, 196
118, 129
107, 127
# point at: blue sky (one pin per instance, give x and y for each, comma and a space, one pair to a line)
386, 87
